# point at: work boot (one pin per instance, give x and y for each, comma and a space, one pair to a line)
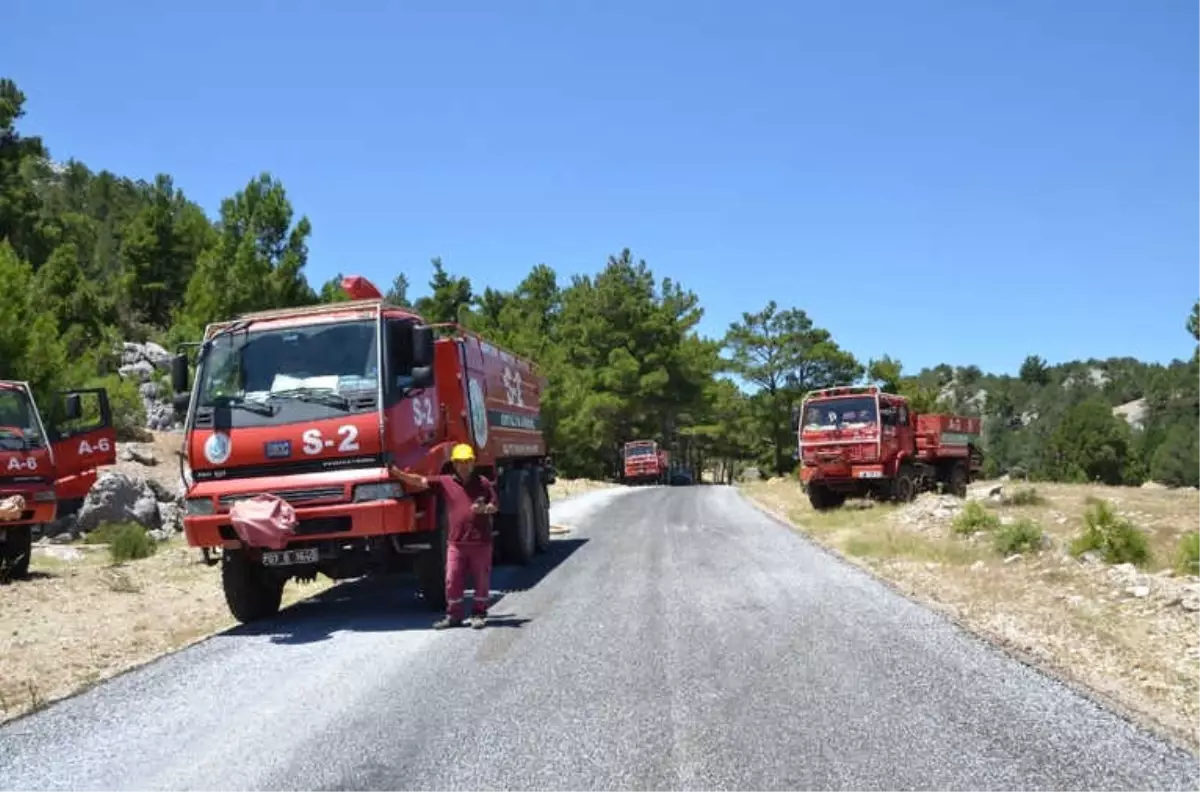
478, 621
447, 621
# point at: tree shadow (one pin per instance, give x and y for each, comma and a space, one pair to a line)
391, 603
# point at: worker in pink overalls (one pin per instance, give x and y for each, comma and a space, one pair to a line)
470, 501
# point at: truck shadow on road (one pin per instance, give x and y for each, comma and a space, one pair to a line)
390, 603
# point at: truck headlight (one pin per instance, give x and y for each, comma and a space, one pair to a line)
200, 507
383, 490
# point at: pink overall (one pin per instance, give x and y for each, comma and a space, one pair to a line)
469, 544
465, 560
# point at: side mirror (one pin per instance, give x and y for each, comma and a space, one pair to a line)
422, 347
179, 373
795, 419
74, 407
180, 401
422, 377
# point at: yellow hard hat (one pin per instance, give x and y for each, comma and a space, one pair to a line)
462, 453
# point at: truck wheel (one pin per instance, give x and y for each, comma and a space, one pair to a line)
521, 538
904, 488
541, 510
15, 552
823, 499
251, 592
958, 481
431, 565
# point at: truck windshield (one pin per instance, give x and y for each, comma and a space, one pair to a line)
840, 413
292, 374
19, 429
639, 451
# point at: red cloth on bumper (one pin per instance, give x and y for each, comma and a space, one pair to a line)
264, 521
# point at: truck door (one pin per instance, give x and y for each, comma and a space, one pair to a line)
84, 439
891, 440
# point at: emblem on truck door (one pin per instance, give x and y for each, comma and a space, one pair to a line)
479, 425
217, 448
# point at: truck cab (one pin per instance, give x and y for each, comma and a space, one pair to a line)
50, 470
309, 405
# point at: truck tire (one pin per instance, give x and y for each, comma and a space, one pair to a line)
431, 565
15, 553
541, 510
520, 540
251, 592
958, 482
823, 498
904, 488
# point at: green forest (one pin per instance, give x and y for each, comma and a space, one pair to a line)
91, 259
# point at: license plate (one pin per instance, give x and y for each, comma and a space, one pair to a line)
274, 558
869, 474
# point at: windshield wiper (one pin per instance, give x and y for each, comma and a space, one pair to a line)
235, 403
314, 396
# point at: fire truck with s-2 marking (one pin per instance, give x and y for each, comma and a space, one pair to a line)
311, 406
46, 471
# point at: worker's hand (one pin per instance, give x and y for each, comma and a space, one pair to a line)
408, 479
484, 508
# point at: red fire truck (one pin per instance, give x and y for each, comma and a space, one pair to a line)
44, 474
644, 462
857, 441
312, 404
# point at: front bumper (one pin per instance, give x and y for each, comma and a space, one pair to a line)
331, 517
841, 474
40, 503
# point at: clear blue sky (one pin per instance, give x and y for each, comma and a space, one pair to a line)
965, 181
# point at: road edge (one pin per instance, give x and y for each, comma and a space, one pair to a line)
1138, 720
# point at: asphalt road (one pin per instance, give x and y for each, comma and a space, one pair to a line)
677, 638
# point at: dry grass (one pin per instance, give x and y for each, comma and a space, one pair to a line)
80, 620
1130, 634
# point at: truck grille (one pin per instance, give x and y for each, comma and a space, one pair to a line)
848, 453
294, 497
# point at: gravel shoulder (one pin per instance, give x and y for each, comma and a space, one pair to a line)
672, 639
81, 619
1129, 635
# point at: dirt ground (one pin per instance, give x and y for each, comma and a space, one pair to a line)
1131, 635
80, 620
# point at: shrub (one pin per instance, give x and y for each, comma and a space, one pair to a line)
1114, 537
974, 518
128, 412
126, 541
1187, 556
1020, 536
1025, 496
